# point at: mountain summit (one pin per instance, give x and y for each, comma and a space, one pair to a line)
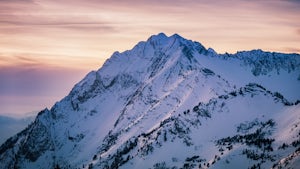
171, 103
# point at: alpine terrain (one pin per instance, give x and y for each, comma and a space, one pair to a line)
170, 103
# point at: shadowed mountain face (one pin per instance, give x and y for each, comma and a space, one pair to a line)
171, 103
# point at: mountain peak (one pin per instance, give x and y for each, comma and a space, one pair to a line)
159, 35
163, 37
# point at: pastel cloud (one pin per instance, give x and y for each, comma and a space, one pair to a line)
211, 22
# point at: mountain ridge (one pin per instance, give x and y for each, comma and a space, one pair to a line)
169, 91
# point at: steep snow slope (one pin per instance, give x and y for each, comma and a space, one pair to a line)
169, 102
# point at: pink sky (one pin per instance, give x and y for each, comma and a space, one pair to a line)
47, 46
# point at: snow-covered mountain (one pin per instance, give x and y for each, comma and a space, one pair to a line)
171, 103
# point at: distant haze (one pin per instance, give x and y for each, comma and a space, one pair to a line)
11, 126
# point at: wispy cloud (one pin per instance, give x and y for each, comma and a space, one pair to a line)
49, 61
77, 27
